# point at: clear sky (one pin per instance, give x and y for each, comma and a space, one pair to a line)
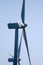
10, 11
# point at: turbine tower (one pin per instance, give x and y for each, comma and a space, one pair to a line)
17, 26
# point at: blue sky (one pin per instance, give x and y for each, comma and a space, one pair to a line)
10, 11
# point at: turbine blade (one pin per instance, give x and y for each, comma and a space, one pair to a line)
19, 49
18, 63
23, 11
10, 55
24, 34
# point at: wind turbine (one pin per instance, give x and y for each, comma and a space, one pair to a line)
17, 26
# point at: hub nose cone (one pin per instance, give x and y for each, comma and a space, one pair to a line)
26, 25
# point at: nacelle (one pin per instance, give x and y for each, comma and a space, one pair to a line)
16, 25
